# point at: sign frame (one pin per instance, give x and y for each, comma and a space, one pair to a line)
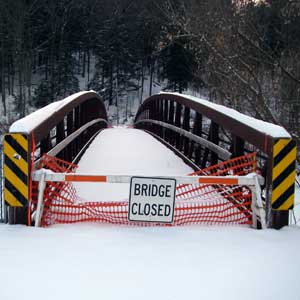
152, 199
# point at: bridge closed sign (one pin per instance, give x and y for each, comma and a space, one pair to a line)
152, 199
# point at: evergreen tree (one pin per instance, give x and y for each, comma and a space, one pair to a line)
179, 65
117, 55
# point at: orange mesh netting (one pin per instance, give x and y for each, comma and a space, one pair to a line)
195, 204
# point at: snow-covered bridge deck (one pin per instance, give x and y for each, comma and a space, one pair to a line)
125, 151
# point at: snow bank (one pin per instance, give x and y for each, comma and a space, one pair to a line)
259, 125
90, 261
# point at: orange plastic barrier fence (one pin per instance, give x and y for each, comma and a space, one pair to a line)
195, 204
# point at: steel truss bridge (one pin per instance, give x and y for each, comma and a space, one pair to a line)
201, 134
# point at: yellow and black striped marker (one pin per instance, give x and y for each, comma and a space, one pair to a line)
283, 174
16, 169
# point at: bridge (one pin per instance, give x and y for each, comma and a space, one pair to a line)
242, 169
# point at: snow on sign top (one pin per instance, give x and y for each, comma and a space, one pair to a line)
270, 129
28, 123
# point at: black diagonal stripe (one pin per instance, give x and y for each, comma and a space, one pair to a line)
15, 192
16, 146
15, 169
277, 141
283, 175
289, 192
284, 152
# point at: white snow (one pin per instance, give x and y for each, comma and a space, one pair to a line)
111, 262
259, 125
28, 123
125, 151
96, 261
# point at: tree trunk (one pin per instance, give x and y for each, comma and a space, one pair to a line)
180, 89
3, 78
142, 83
83, 64
117, 93
11, 76
21, 94
151, 76
88, 66
111, 79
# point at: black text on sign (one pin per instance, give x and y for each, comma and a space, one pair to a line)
152, 199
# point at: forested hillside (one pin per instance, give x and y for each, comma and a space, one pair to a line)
244, 54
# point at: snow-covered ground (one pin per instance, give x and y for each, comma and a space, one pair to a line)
108, 262
96, 261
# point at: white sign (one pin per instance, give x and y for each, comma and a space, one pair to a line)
152, 199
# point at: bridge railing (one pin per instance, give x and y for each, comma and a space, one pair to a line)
61, 129
206, 133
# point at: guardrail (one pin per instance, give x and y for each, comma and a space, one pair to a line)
206, 133
61, 129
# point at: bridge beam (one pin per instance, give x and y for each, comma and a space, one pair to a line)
178, 125
214, 138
